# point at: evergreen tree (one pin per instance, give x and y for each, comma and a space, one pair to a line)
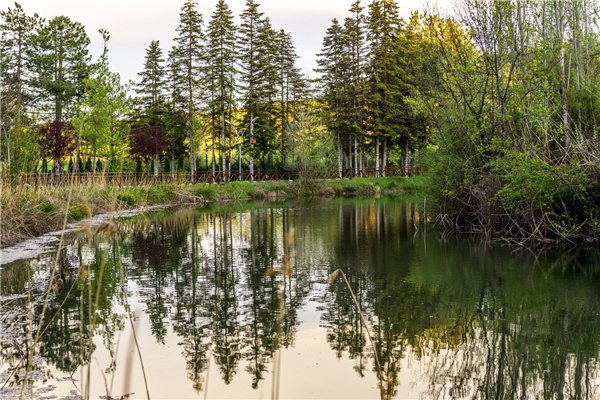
16, 34
248, 42
151, 91
186, 66
354, 30
61, 63
334, 63
387, 110
292, 86
152, 87
221, 71
176, 116
267, 89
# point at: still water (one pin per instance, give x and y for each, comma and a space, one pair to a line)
235, 301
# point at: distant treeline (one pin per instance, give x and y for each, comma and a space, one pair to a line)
219, 85
503, 96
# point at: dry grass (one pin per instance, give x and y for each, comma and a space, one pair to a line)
28, 211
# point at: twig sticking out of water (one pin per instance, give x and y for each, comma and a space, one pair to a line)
332, 278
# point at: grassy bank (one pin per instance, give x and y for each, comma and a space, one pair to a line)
28, 212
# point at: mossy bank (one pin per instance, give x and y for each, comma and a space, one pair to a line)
28, 212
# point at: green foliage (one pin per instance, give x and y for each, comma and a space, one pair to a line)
128, 198
160, 194
101, 109
557, 189
80, 211
151, 89
61, 64
206, 191
239, 190
47, 207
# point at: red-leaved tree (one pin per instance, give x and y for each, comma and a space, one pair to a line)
57, 139
147, 142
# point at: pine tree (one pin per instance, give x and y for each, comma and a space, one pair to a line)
334, 64
292, 85
16, 34
176, 116
248, 43
186, 66
16, 37
61, 64
152, 88
387, 110
267, 89
354, 30
221, 71
151, 92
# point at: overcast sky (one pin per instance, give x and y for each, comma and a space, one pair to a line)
133, 24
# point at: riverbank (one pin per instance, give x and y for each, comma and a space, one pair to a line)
28, 212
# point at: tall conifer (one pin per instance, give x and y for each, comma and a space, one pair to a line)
385, 86
221, 70
16, 35
152, 88
62, 64
186, 59
334, 64
249, 48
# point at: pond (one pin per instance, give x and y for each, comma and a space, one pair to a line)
235, 300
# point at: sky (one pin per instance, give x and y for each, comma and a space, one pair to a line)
133, 24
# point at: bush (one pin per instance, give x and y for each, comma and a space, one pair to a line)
80, 211
531, 181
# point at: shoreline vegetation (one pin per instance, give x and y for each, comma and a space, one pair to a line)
27, 212
495, 101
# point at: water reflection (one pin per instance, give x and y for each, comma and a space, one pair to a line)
451, 317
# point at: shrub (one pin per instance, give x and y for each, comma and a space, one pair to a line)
532, 181
80, 211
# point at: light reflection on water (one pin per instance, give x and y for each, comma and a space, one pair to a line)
227, 301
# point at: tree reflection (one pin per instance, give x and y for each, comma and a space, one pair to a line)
483, 323
228, 281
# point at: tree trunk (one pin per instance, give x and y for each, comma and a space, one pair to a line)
156, 165
384, 161
377, 157
340, 166
213, 163
251, 146
355, 157
78, 146
94, 162
362, 164
173, 165
223, 154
